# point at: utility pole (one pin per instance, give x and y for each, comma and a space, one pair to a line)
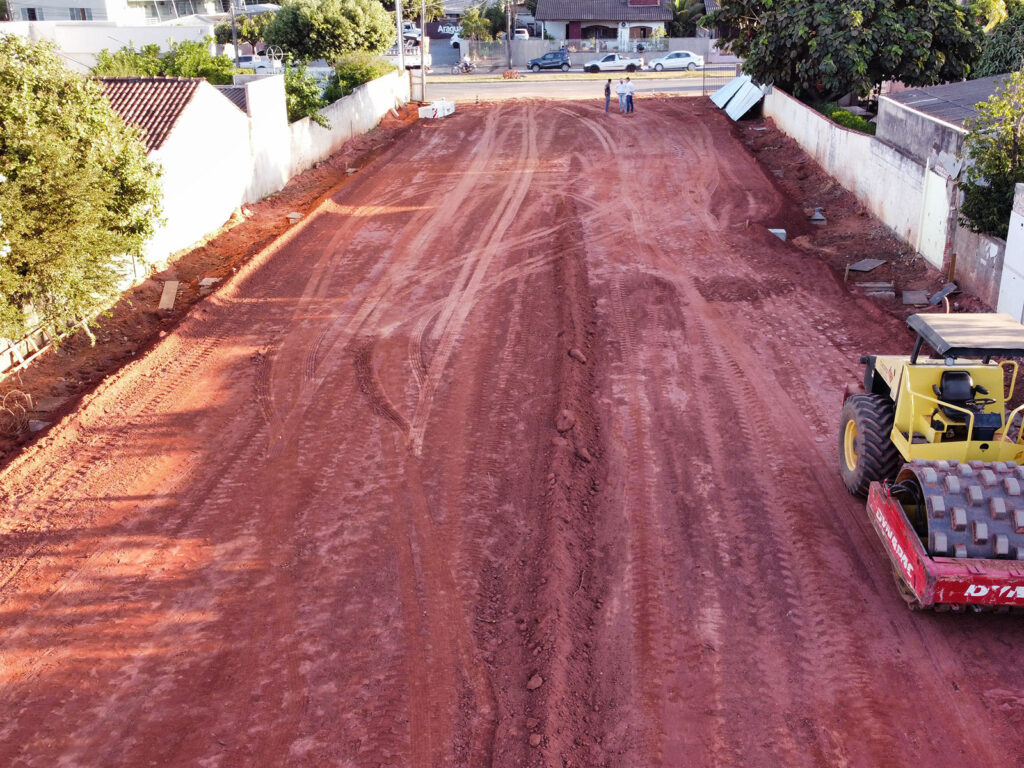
234, 31
423, 51
401, 38
508, 30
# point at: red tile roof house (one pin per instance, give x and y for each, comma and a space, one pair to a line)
207, 145
617, 23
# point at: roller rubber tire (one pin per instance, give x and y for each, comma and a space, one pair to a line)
535, 67
658, 67
691, 66
631, 68
565, 67
866, 452
594, 70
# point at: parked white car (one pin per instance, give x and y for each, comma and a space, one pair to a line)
260, 64
521, 33
677, 60
613, 61
411, 31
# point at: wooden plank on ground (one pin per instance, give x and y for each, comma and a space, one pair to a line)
169, 294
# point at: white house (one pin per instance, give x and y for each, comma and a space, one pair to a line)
78, 42
623, 21
122, 11
206, 173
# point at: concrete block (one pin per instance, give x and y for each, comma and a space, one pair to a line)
915, 297
779, 233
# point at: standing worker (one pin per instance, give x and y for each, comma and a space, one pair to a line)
607, 95
621, 90
629, 95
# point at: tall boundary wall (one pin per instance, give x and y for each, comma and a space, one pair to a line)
351, 116
917, 202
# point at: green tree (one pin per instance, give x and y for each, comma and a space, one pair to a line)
495, 14
686, 16
188, 59
303, 96
820, 50
314, 29
192, 59
474, 25
249, 29
1003, 48
354, 69
994, 148
78, 195
127, 62
411, 9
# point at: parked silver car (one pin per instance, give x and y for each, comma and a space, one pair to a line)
677, 60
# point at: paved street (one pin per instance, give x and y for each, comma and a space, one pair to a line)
471, 90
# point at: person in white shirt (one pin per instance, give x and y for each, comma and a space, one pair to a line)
629, 95
621, 90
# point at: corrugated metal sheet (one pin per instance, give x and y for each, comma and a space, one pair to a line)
747, 96
152, 104
721, 97
953, 102
600, 10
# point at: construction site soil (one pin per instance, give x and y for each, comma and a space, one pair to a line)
518, 449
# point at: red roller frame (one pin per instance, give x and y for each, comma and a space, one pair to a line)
941, 580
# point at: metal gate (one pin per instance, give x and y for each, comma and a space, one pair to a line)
714, 76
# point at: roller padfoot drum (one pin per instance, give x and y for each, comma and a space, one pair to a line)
954, 533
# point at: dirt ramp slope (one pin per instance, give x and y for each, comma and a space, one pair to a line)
520, 452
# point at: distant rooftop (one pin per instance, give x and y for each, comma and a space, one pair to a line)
601, 10
236, 94
953, 102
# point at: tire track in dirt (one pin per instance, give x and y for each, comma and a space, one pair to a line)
472, 275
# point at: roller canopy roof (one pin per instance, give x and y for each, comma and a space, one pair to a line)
970, 334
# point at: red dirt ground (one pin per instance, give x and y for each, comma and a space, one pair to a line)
518, 450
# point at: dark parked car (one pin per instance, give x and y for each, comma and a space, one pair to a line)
551, 60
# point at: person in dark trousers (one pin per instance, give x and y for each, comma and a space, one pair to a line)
607, 95
629, 95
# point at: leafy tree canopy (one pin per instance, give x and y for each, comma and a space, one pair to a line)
818, 49
686, 16
1003, 48
303, 96
77, 193
475, 26
495, 14
411, 9
188, 59
249, 29
315, 29
994, 147
354, 69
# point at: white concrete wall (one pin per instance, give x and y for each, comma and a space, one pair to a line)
887, 183
78, 42
355, 114
268, 134
1011, 290
207, 168
892, 186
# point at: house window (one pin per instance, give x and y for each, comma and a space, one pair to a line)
31, 14
80, 14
